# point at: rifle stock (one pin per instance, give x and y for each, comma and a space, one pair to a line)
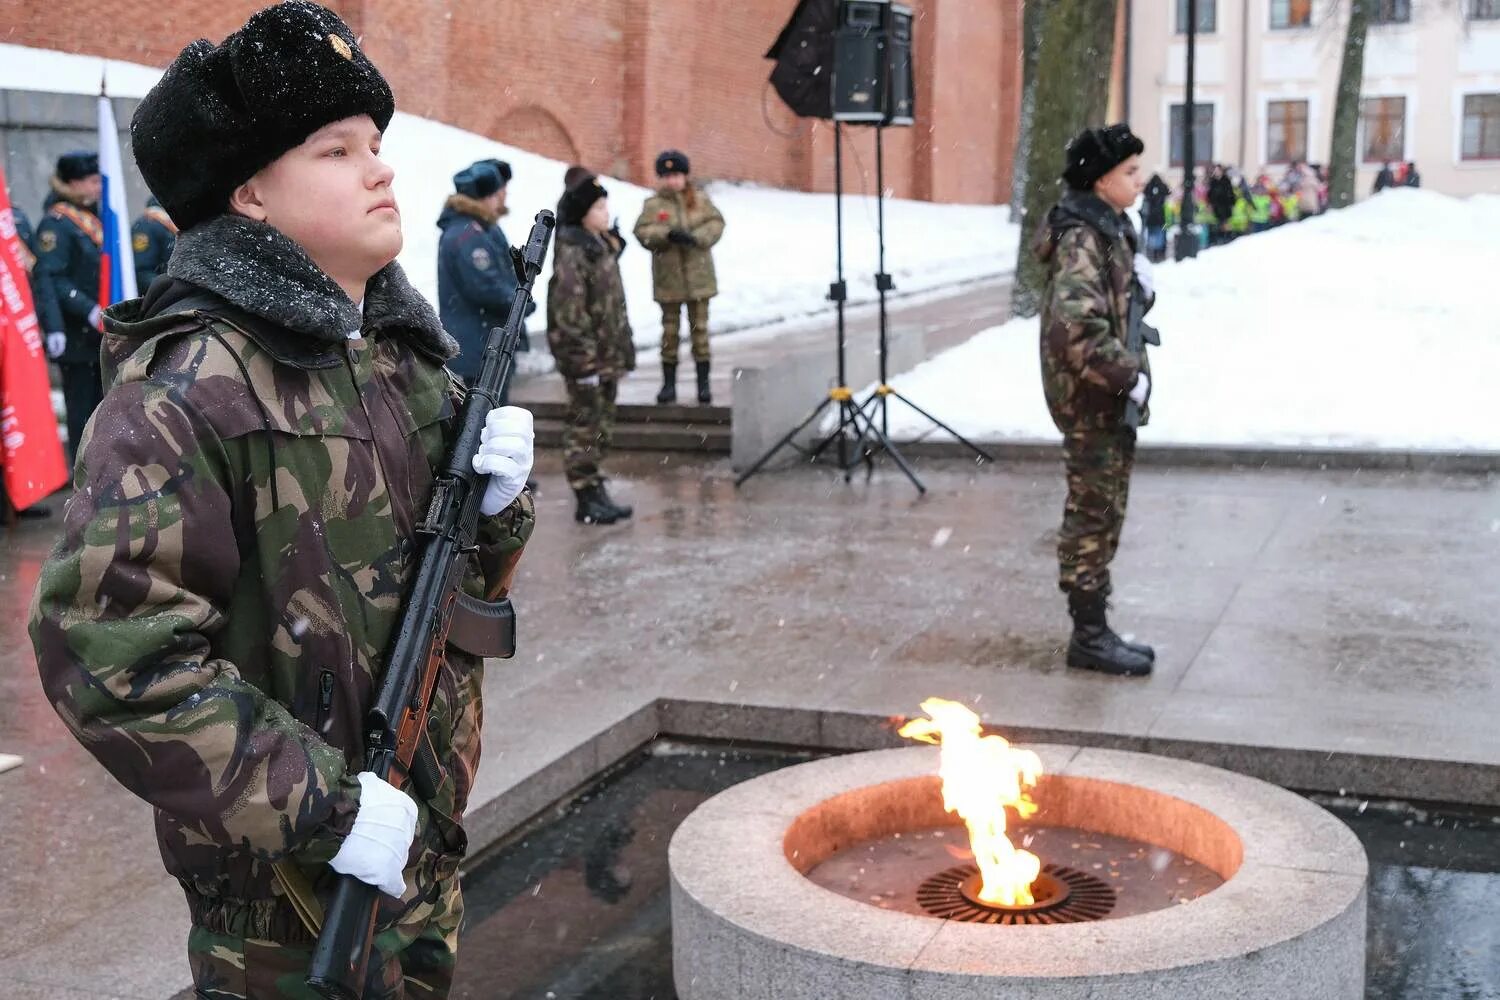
397, 720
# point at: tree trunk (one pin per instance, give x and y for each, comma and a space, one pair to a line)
1071, 93
1343, 162
1031, 39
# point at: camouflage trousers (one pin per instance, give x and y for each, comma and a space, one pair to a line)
411, 960
589, 432
671, 329
1098, 465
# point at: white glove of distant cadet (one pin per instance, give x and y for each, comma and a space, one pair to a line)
56, 343
375, 850
1141, 389
505, 454
96, 318
1145, 275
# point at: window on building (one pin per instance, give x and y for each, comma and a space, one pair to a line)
1292, 13
1382, 121
1286, 131
1203, 134
1390, 12
1484, 10
1482, 127
1208, 16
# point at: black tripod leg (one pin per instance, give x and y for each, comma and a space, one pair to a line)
959, 437
822, 446
786, 440
890, 449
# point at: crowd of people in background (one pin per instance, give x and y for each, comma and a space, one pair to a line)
1228, 205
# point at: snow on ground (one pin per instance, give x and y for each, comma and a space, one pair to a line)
775, 261
1373, 327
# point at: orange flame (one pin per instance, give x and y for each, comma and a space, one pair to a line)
982, 775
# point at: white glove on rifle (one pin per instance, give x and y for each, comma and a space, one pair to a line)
57, 342
1141, 390
375, 850
1145, 274
505, 455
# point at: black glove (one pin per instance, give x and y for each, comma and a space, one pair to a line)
619, 240
682, 238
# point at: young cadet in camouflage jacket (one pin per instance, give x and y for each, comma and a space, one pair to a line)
589, 333
213, 622
680, 225
1094, 267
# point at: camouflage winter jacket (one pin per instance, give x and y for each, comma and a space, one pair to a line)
1089, 251
679, 273
213, 621
587, 325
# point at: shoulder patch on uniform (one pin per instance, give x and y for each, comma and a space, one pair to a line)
481, 258
46, 241
141, 243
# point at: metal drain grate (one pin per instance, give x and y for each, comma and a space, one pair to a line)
1063, 896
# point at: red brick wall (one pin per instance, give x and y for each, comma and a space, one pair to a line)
611, 82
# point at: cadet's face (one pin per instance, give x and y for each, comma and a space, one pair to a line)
597, 219
88, 189
332, 195
1122, 185
675, 182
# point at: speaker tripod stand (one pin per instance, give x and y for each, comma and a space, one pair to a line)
880, 396
855, 427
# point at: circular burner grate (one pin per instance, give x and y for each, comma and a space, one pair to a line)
1064, 896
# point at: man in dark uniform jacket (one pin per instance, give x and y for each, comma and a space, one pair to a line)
68, 243
152, 238
476, 279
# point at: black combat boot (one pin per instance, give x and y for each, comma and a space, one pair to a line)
1094, 646
593, 508
622, 511
704, 395
668, 392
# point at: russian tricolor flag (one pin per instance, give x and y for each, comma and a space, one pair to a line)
116, 262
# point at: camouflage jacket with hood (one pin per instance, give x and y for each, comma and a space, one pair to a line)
588, 327
213, 622
1087, 372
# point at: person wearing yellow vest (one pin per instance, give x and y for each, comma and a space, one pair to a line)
68, 243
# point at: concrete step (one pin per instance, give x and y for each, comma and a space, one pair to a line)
641, 436
641, 413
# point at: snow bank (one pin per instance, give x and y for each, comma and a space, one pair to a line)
1373, 327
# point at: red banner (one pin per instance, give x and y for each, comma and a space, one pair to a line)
33, 454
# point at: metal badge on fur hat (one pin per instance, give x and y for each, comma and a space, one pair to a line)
672, 162
1094, 152
221, 113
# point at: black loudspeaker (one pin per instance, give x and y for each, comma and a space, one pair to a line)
849, 60
900, 94
860, 70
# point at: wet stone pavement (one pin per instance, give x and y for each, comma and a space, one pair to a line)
1326, 631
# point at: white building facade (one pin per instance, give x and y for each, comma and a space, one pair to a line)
1266, 73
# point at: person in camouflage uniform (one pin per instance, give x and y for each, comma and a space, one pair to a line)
213, 622
589, 333
680, 225
1094, 268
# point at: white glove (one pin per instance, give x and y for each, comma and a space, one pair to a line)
96, 318
1141, 389
1145, 275
56, 344
375, 850
505, 454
